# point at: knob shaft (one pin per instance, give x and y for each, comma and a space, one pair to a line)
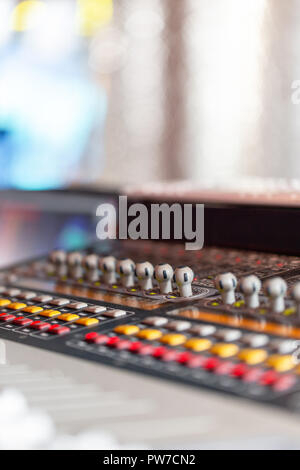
296, 297
144, 272
250, 287
91, 263
184, 277
75, 264
276, 289
126, 269
163, 273
226, 284
58, 259
108, 266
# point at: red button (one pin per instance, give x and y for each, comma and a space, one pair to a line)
159, 351
184, 357
211, 363
252, 375
224, 368
196, 361
170, 356
58, 330
112, 341
40, 325
94, 337
90, 337
6, 317
239, 370
284, 383
135, 346
268, 378
145, 350
123, 344
22, 321
101, 339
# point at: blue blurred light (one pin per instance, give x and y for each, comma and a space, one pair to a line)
47, 115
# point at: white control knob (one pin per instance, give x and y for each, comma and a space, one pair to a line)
163, 273
296, 297
58, 256
91, 264
250, 287
144, 272
226, 285
184, 277
276, 289
58, 259
108, 265
75, 264
125, 269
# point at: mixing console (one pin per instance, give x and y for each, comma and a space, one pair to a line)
224, 319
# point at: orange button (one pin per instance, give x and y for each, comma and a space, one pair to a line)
224, 349
127, 329
32, 309
16, 305
173, 339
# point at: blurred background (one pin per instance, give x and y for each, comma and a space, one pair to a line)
107, 92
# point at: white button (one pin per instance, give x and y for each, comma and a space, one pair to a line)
283, 346
77, 305
10, 278
95, 309
178, 325
12, 292
203, 330
60, 302
27, 295
255, 341
43, 298
155, 321
228, 335
114, 313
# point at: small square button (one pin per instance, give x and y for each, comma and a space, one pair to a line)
59, 302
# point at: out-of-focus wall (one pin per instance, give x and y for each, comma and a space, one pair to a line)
123, 91
202, 89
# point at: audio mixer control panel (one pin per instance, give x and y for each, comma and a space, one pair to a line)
224, 319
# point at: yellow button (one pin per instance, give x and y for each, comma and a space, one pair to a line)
281, 363
16, 305
68, 317
50, 313
127, 329
32, 309
4, 302
197, 344
289, 311
149, 334
87, 321
252, 356
224, 349
173, 339
239, 303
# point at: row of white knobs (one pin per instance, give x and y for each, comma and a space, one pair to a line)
73, 263
250, 287
164, 274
